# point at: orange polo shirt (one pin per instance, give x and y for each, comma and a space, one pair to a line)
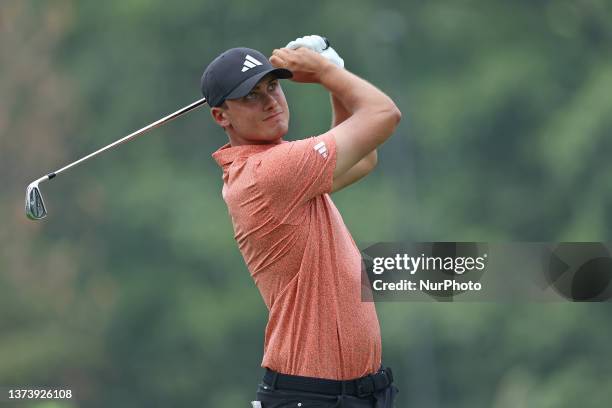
301, 257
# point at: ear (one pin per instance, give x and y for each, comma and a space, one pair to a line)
220, 116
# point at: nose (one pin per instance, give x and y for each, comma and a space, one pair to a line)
270, 102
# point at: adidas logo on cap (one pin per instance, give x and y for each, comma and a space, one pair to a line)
249, 62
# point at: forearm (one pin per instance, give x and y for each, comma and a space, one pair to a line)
372, 158
355, 173
339, 112
354, 93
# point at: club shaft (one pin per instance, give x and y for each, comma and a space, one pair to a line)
131, 136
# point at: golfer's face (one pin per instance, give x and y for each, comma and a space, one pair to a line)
262, 116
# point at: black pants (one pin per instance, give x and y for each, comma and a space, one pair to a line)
270, 398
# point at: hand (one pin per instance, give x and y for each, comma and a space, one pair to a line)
318, 44
305, 64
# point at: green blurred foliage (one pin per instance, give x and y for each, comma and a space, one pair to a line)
133, 293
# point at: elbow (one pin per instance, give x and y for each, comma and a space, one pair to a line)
388, 113
394, 115
391, 117
397, 115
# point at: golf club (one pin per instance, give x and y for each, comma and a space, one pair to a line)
34, 204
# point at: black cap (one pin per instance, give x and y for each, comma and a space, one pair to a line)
234, 73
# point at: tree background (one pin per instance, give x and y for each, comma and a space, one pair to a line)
132, 292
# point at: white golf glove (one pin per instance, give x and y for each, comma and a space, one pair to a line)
318, 44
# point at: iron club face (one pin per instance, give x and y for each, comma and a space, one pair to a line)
34, 204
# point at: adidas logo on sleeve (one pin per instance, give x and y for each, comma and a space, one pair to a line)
321, 149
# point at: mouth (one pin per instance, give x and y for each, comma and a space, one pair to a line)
273, 116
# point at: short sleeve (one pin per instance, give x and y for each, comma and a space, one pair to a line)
293, 173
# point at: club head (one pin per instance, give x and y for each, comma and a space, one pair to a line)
34, 204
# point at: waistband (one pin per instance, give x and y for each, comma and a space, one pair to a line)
359, 387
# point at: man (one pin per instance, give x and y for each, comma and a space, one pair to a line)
322, 343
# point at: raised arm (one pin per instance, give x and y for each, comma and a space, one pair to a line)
372, 115
364, 166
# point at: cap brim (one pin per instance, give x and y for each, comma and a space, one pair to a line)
245, 87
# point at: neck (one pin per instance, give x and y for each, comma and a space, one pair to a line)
238, 141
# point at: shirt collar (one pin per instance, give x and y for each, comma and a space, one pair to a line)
227, 154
